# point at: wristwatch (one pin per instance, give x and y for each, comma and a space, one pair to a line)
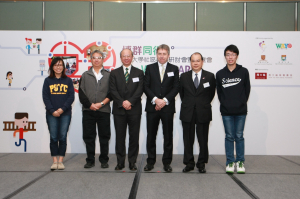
102, 103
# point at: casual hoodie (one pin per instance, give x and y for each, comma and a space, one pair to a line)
233, 90
58, 93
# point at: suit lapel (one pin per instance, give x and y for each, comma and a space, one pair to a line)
131, 75
122, 74
190, 81
203, 79
156, 70
167, 69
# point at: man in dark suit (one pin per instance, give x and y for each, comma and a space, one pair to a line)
161, 85
126, 88
197, 89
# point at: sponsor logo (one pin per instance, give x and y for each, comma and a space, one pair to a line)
280, 76
262, 45
283, 61
284, 46
230, 82
263, 61
260, 75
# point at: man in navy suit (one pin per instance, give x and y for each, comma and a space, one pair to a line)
126, 88
197, 90
161, 85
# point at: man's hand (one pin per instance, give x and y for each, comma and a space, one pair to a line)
60, 111
157, 108
56, 114
98, 105
160, 102
93, 107
127, 105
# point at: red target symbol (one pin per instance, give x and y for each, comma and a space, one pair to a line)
81, 57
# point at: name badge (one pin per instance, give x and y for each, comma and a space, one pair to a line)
170, 74
206, 85
135, 79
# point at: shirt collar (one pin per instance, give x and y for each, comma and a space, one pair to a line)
124, 69
165, 64
199, 73
100, 71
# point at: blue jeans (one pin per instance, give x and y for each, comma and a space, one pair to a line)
58, 128
234, 128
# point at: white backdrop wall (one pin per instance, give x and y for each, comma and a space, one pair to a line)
272, 59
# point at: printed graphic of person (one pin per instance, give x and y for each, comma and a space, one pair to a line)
9, 77
38, 42
42, 66
21, 120
28, 42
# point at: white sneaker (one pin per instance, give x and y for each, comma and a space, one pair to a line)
230, 167
54, 166
60, 166
240, 167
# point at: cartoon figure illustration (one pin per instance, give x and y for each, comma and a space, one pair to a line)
38, 42
21, 120
28, 42
9, 77
42, 66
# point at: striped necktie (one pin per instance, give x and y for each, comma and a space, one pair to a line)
126, 75
162, 73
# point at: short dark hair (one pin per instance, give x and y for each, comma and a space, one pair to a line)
19, 116
8, 73
53, 62
231, 48
38, 39
198, 54
163, 47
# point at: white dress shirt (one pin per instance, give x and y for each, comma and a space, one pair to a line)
199, 75
160, 70
99, 75
124, 69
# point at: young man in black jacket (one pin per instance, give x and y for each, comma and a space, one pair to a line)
233, 88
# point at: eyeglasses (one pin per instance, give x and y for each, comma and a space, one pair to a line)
57, 65
97, 57
126, 56
230, 55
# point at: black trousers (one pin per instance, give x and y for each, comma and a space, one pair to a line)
89, 121
189, 138
153, 119
121, 122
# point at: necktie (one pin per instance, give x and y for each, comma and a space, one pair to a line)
196, 81
126, 75
162, 73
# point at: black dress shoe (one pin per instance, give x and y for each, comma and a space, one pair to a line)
89, 165
119, 167
104, 165
202, 168
132, 167
148, 167
167, 168
187, 169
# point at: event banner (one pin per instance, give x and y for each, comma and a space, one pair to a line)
272, 59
